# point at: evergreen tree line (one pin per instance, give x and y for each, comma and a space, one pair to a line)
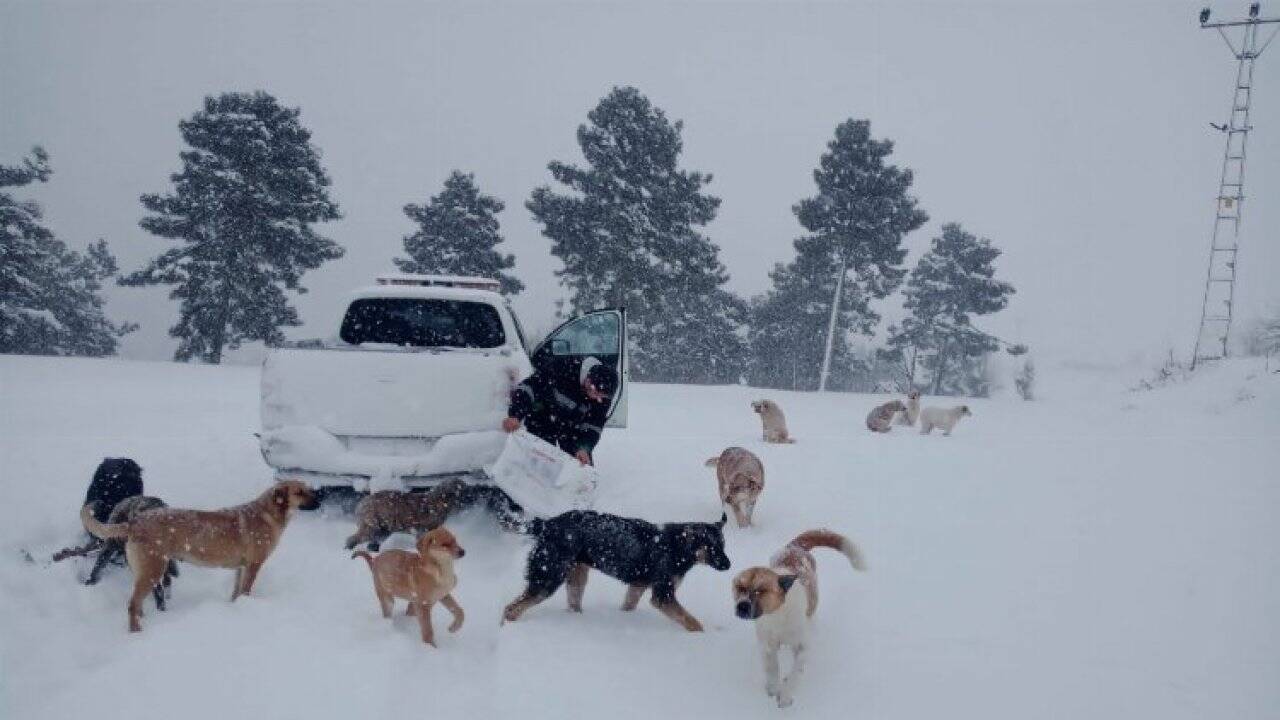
628, 226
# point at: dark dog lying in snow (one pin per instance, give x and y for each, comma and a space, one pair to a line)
392, 511
642, 555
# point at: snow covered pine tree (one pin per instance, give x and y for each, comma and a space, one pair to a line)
953, 281
49, 294
626, 234
856, 223
458, 235
243, 205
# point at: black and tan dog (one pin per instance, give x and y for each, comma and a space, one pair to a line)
641, 554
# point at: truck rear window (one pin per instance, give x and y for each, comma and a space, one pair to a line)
419, 322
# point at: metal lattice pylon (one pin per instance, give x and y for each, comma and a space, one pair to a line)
1224, 248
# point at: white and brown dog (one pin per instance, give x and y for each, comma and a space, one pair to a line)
772, 421
741, 477
942, 418
782, 598
912, 413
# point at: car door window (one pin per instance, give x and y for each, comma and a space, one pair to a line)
595, 335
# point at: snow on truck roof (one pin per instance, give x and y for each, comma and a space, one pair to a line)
454, 281
445, 287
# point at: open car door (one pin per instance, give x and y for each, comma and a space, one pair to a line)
601, 334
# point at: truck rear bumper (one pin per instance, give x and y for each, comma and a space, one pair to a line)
311, 454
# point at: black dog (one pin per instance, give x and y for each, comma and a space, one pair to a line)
640, 554
114, 480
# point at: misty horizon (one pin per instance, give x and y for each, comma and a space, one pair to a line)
1075, 137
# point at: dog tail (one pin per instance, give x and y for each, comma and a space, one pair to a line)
712, 461
101, 530
362, 554
811, 539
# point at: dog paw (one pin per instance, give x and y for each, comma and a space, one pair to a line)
773, 689
785, 700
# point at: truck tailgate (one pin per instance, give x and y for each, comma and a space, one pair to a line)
388, 393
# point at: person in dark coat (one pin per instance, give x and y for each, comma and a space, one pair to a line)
568, 412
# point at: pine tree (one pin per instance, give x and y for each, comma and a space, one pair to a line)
457, 235
855, 225
627, 235
50, 302
952, 282
243, 206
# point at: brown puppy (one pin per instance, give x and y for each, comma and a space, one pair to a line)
741, 477
773, 421
423, 578
391, 511
781, 607
879, 419
241, 537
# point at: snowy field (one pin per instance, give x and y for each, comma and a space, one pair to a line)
1096, 554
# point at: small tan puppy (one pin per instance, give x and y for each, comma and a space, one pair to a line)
881, 418
942, 418
241, 537
741, 477
423, 578
782, 598
774, 422
912, 414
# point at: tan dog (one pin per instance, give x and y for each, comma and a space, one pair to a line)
942, 418
881, 418
741, 477
241, 537
912, 414
423, 578
773, 421
782, 598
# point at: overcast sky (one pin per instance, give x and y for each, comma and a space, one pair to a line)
1075, 136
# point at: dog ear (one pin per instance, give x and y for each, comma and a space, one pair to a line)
724, 518
785, 582
280, 496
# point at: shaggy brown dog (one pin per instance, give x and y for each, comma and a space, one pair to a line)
741, 477
773, 421
423, 578
879, 419
392, 511
241, 537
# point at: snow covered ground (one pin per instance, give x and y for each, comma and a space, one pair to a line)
1099, 553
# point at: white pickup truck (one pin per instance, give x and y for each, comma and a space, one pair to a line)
413, 386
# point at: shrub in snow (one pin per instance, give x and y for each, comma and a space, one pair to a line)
1025, 380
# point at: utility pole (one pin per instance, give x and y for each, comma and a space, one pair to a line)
1224, 247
